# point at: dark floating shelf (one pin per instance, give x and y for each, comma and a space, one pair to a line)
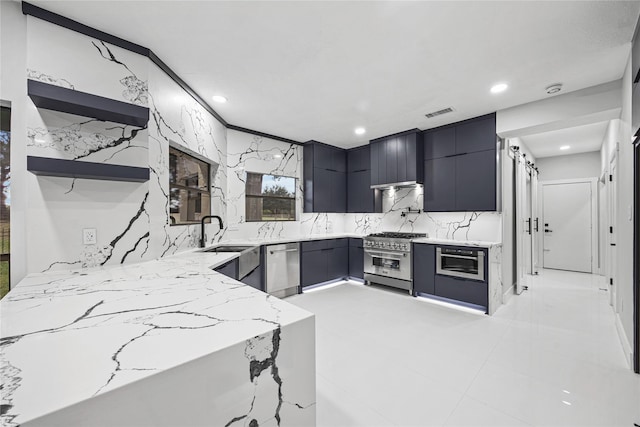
45, 166
56, 98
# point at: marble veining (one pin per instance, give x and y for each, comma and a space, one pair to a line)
46, 78
131, 316
75, 138
136, 89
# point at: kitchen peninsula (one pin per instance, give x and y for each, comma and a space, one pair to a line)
166, 342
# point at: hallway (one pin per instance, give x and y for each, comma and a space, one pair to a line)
551, 356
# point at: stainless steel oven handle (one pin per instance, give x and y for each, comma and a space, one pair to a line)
382, 254
459, 256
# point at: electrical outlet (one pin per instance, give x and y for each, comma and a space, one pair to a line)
89, 236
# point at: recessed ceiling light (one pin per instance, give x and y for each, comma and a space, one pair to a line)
360, 131
219, 99
499, 87
565, 147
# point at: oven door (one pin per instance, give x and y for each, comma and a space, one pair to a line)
387, 263
467, 264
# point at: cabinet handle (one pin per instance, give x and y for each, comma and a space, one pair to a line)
456, 155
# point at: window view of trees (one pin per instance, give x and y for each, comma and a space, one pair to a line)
188, 188
270, 197
5, 198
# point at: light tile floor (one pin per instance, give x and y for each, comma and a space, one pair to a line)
550, 357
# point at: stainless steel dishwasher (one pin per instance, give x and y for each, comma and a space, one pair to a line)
283, 269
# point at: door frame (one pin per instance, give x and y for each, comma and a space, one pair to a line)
594, 213
612, 220
636, 251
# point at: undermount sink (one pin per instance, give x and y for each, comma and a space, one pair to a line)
228, 249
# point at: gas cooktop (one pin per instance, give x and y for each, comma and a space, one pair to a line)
394, 235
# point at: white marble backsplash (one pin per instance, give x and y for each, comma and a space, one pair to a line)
132, 219
65, 58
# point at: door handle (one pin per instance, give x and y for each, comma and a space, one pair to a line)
612, 244
529, 226
546, 230
536, 226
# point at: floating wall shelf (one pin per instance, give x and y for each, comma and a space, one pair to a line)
45, 166
56, 98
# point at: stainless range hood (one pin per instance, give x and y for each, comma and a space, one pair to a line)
403, 184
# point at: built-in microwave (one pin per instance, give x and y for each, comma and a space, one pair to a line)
464, 263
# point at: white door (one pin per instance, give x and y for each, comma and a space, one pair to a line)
567, 226
535, 222
528, 225
611, 258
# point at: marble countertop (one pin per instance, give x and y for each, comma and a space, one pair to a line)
479, 243
68, 336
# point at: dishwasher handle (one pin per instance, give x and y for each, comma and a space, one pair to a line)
283, 250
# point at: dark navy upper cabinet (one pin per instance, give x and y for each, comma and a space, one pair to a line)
476, 181
325, 178
397, 159
476, 135
360, 197
440, 185
460, 166
439, 143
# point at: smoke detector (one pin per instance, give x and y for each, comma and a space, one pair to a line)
554, 88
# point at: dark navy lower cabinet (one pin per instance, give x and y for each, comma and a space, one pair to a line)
313, 266
465, 290
323, 260
356, 258
338, 263
424, 268
229, 269
254, 279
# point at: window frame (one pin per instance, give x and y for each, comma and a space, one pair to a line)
263, 197
174, 146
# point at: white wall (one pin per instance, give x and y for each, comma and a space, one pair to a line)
590, 105
583, 165
624, 232
13, 88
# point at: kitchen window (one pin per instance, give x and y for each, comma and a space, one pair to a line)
270, 197
190, 194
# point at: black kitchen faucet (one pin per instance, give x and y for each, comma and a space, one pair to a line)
202, 239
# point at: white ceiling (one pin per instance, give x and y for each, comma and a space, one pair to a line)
316, 70
580, 139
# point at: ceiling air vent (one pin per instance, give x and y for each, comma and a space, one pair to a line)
439, 112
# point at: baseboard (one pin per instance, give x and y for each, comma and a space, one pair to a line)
626, 345
508, 294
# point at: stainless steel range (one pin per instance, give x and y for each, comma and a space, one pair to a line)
387, 259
